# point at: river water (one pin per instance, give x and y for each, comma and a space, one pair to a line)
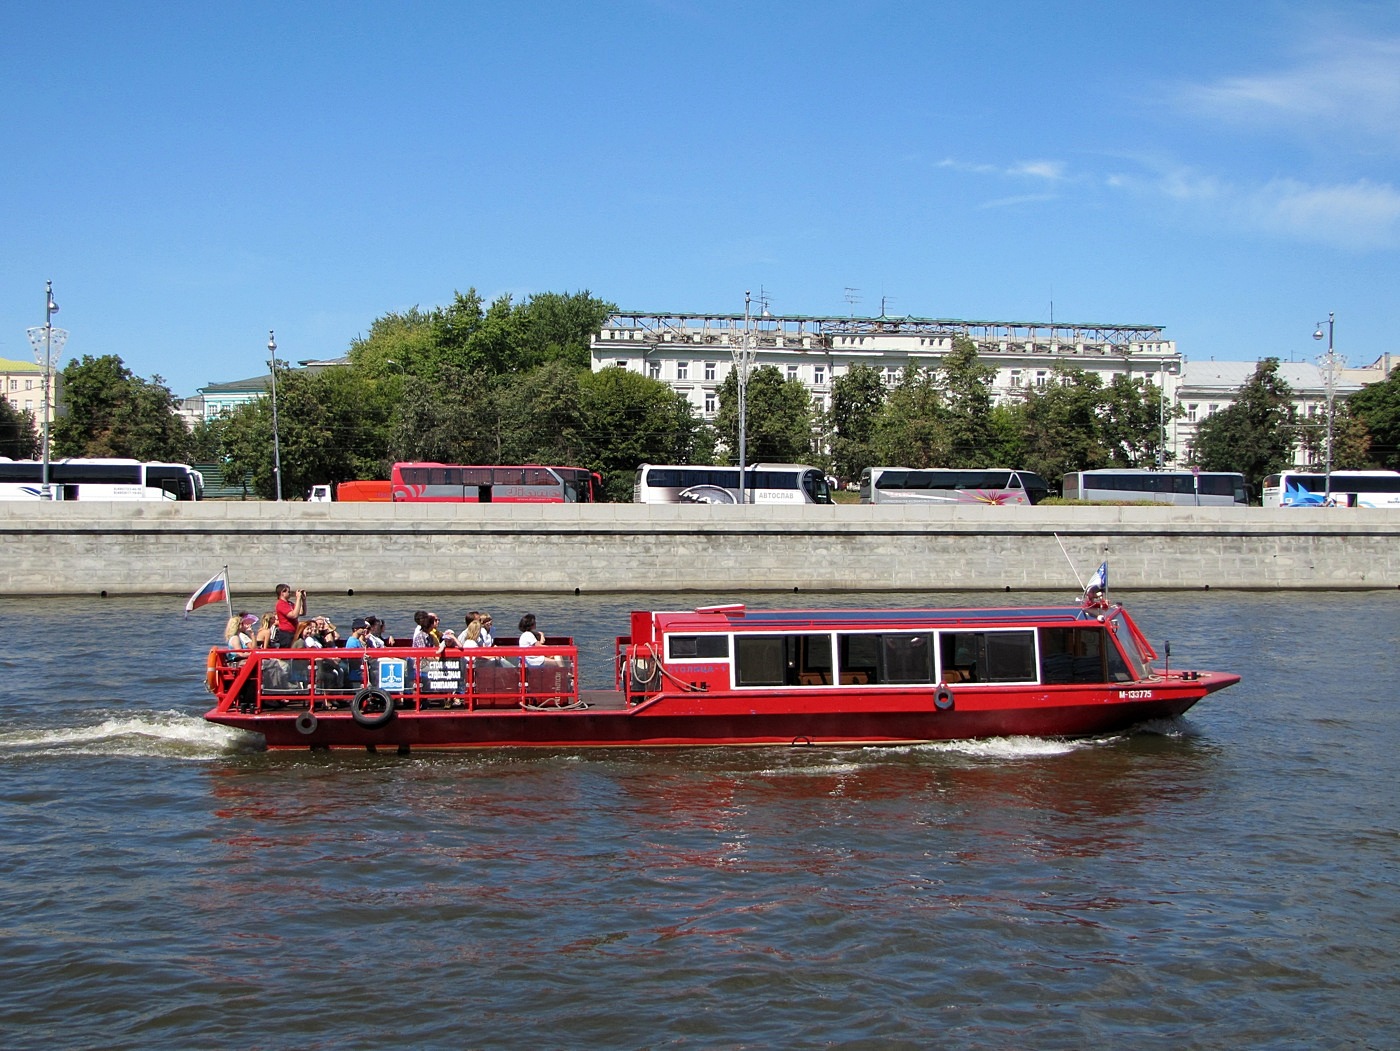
1225, 880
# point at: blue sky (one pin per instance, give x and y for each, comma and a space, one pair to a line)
192, 175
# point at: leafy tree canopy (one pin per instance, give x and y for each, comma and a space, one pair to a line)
1377, 407
19, 437
1255, 434
111, 412
777, 415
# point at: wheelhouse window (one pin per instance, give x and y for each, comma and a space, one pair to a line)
697, 647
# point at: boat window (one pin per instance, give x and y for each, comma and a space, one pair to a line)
685, 647
1121, 670
1072, 655
987, 656
860, 658
759, 660
907, 658
782, 660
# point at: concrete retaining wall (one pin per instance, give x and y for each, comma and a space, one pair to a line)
170, 548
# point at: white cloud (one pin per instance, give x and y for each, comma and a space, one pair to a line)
1050, 170
1053, 170
1341, 82
1356, 215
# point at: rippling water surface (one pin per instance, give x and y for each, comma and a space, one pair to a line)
1223, 880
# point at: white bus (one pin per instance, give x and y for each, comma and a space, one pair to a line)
111, 479
764, 483
1346, 489
948, 485
1187, 488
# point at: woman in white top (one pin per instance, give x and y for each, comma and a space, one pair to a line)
530, 635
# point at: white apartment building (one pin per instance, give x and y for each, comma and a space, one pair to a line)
693, 353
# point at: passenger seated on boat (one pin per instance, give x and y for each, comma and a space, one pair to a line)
238, 632
530, 635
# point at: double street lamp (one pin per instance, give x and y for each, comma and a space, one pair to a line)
1329, 362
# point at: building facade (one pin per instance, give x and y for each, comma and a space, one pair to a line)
694, 353
22, 385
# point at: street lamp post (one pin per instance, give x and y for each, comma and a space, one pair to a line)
51, 340
276, 446
1329, 361
743, 360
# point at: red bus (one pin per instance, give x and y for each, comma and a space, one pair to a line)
532, 484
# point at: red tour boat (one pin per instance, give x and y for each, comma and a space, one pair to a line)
727, 675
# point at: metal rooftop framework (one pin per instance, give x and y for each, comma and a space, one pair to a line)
656, 324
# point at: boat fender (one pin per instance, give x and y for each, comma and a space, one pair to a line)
211, 670
943, 698
306, 723
372, 708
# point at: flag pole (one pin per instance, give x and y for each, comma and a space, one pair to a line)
228, 592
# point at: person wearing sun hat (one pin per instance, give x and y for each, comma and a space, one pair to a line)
238, 632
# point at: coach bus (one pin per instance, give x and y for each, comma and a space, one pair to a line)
764, 483
100, 479
530, 484
1187, 488
947, 485
1345, 489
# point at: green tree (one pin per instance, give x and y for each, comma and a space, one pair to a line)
19, 437
111, 412
1377, 407
1062, 426
1133, 418
1254, 435
560, 327
630, 420
968, 399
911, 428
332, 425
856, 398
778, 417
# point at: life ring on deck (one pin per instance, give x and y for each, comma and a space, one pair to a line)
372, 708
306, 723
943, 698
211, 670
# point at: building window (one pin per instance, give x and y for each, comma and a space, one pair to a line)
1015, 377
709, 403
792, 372
710, 371
891, 374
28, 404
620, 364
1191, 413
654, 370
28, 384
14, 384
818, 374
682, 370
1041, 378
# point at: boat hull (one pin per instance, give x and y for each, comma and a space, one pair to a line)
681, 721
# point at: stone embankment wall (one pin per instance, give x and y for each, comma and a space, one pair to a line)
170, 548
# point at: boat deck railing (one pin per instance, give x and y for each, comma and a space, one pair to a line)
321, 680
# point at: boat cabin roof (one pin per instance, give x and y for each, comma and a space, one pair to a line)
723, 619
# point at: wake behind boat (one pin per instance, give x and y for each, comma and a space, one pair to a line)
728, 675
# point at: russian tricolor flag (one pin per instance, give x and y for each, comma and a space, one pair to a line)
214, 591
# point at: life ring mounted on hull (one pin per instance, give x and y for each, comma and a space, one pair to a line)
211, 670
372, 708
943, 698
